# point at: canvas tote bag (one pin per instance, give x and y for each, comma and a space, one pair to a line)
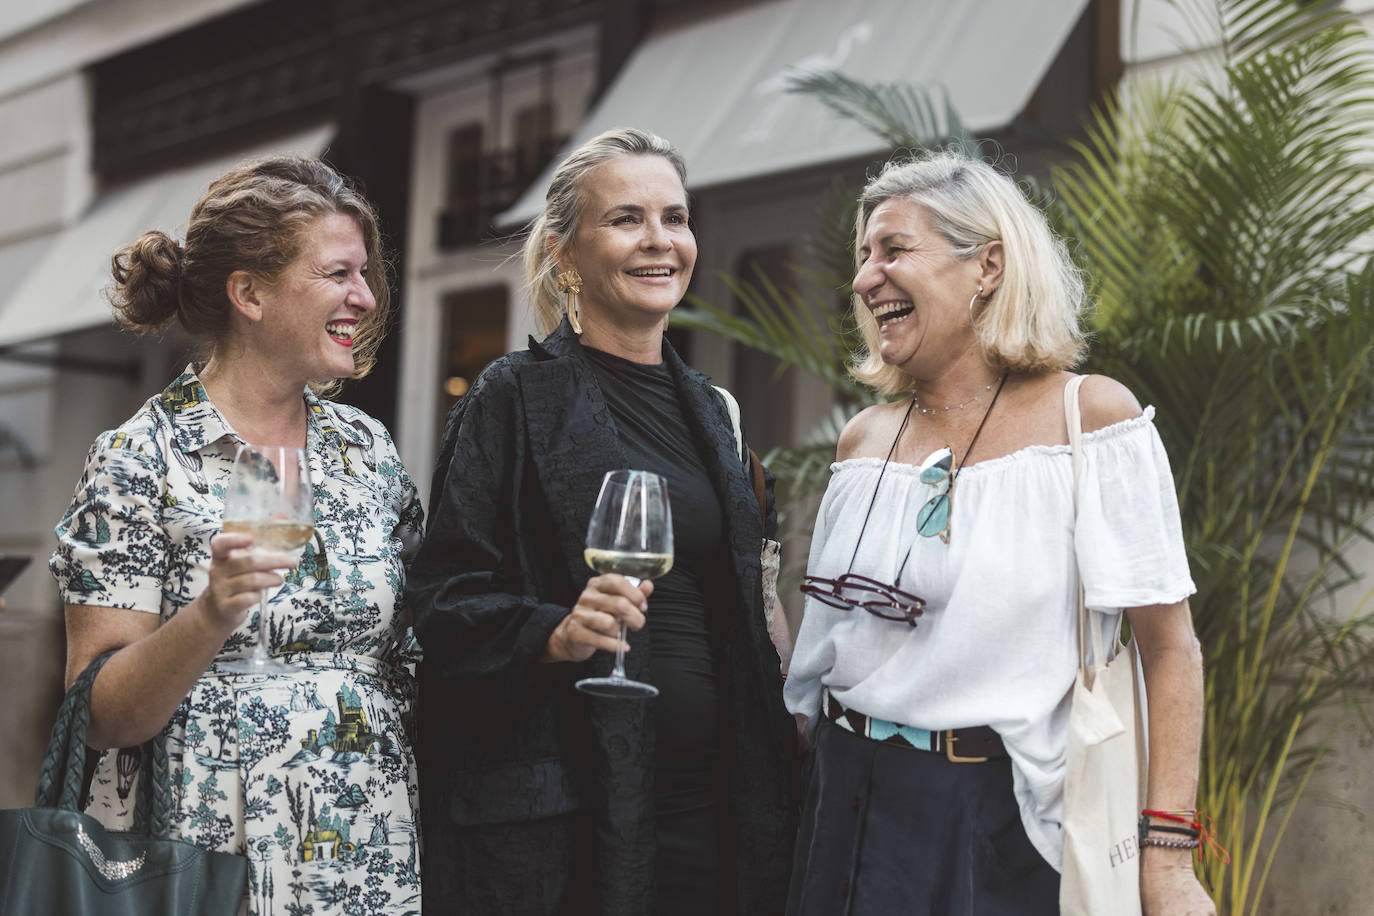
1106, 758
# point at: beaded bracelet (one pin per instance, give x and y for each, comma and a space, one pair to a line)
1146, 827
1170, 844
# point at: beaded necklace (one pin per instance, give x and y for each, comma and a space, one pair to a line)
915, 402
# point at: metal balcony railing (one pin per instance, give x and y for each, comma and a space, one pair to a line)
501, 177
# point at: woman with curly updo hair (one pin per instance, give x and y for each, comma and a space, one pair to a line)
310, 774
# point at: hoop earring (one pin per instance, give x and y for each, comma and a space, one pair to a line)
570, 285
970, 304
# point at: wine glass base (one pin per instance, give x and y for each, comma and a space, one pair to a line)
617, 688
254, 665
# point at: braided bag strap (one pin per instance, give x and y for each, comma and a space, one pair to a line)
59, 782
153, 805
64, 763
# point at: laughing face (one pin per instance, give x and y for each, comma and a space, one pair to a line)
632, 246
312, 311
916, 289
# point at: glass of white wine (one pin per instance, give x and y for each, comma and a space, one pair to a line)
270, 497
630, 533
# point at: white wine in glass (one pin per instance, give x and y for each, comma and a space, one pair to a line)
273, 534
270, 497
630, 533
639, 566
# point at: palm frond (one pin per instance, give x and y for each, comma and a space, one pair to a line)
1225, 226
903, 116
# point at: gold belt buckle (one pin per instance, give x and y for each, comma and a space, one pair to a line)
953, 757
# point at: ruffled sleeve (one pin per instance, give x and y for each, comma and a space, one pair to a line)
813, 654
111, 547
1129, 537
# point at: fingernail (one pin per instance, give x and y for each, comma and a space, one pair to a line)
643, 607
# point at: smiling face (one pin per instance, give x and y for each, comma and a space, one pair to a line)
632, 245
916, 289
311, 312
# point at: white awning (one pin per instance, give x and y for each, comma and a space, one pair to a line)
63, 291
715, 88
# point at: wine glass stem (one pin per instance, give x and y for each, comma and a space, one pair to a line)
618, 672
261, 650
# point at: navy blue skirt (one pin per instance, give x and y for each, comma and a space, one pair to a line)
886, 829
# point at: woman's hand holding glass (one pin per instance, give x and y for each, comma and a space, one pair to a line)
238, 575
269, 497
606, 603
629, 536
629, 542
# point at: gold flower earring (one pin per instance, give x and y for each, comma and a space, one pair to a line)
570, 285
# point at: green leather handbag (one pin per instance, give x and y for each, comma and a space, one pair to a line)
54, 859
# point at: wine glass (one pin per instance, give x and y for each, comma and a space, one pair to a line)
630, 533
270, 497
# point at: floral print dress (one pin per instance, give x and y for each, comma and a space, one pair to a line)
311, 774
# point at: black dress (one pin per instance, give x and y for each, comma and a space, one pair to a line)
684, 654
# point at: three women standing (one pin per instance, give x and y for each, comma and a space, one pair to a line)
543, 800
540, 799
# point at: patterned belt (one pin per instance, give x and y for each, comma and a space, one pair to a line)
322, 661
975, 745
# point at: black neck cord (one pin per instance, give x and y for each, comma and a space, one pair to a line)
893, 450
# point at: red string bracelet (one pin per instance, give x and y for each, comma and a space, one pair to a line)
1194, 819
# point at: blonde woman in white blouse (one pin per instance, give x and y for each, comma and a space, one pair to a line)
954, 506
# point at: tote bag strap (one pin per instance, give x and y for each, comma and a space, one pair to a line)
749, 458
59, 782
1089, 624
732, 408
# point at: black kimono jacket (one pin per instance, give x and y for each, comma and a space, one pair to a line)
504, 738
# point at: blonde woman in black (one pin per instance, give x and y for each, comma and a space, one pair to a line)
538, 798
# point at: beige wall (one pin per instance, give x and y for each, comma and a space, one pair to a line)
46, 184
59, 414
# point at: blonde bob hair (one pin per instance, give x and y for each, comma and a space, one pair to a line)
563, 210
1030, 322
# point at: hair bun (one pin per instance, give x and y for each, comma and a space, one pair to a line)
147, 279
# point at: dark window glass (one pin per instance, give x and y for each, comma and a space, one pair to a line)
474, 335
533, 133
763, 394
463, 218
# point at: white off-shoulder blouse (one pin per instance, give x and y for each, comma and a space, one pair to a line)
996, 644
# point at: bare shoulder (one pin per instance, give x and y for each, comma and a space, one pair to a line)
1104, 401
876, 424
